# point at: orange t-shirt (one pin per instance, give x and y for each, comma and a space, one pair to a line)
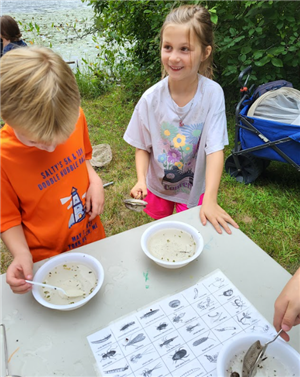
45, 192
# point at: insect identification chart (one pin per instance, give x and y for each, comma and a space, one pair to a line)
179, 336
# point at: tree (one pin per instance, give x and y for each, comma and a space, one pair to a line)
264, 34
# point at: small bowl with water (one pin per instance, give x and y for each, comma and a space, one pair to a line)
281, 358
172, 244
69, 271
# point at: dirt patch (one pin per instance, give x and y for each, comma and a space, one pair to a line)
247, 220
6, 258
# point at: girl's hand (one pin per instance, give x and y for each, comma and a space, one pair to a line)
287, 306
216, 216
139, 191
94, 203
19, 270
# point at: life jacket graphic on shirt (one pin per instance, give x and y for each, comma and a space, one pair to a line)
77, 206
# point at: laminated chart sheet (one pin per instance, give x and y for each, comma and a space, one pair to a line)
179, 336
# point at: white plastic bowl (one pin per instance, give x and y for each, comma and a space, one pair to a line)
279, 349
59, 260
157, 226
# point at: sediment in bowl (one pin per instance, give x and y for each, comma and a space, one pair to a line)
283, 354
65, 258
156, 227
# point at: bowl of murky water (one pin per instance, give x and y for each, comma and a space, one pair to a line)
172, 244
79, 275
280, 358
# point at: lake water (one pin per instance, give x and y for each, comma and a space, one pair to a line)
39, 6
55, 20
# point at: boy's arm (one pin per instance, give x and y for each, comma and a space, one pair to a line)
142, 158
95, 193
210, 210
22, 265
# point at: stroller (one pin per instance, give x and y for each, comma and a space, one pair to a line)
267, 128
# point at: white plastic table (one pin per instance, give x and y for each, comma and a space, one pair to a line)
44, 342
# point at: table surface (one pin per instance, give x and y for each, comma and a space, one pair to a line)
45, 342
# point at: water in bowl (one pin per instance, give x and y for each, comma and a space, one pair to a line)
269, 367
70, 276
172, 245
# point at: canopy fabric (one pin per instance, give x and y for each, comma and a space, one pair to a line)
272, 131
280, 105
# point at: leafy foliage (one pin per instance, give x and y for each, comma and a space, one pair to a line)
264, 34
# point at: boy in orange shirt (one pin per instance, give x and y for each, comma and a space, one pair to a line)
51, 197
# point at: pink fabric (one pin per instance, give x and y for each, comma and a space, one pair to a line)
158, 208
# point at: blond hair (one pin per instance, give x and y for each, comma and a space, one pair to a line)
39, 94
198, 18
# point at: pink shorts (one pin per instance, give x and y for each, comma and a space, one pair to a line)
157, 208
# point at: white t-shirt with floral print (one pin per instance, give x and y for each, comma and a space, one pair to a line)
178, 152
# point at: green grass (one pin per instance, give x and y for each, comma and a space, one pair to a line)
267, 211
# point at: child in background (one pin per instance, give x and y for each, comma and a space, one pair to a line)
10, 34
179, 125
51, 197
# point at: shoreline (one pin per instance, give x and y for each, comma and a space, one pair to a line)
55, 30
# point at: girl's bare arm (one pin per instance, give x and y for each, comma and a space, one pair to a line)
142, 158
210, 210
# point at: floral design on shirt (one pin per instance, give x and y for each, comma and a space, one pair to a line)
179, 154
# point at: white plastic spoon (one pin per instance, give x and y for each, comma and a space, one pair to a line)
7, 374
69, 292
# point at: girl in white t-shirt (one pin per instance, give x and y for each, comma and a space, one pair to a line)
179, 125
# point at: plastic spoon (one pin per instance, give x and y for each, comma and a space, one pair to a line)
6, 354
69, 292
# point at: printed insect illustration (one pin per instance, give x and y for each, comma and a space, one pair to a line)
174, 303
204, 304
212, 358
101, 340
202, 340
243, 318
138, 338
180, 354
218, 283
178, 317
238, 303
167, 342
227, 293
116, 370
162, 326
127, 325
191, 328
136, 358
109, 355
259, 328
148, 372
149, 314
226, 328
216, 317
195, 293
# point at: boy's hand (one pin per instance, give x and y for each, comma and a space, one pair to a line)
19, 270
287, 306
216, 216
139, 191
94, 203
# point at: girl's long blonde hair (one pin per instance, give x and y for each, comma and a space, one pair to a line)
198, 18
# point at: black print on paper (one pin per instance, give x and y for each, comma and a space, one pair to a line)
132, 342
